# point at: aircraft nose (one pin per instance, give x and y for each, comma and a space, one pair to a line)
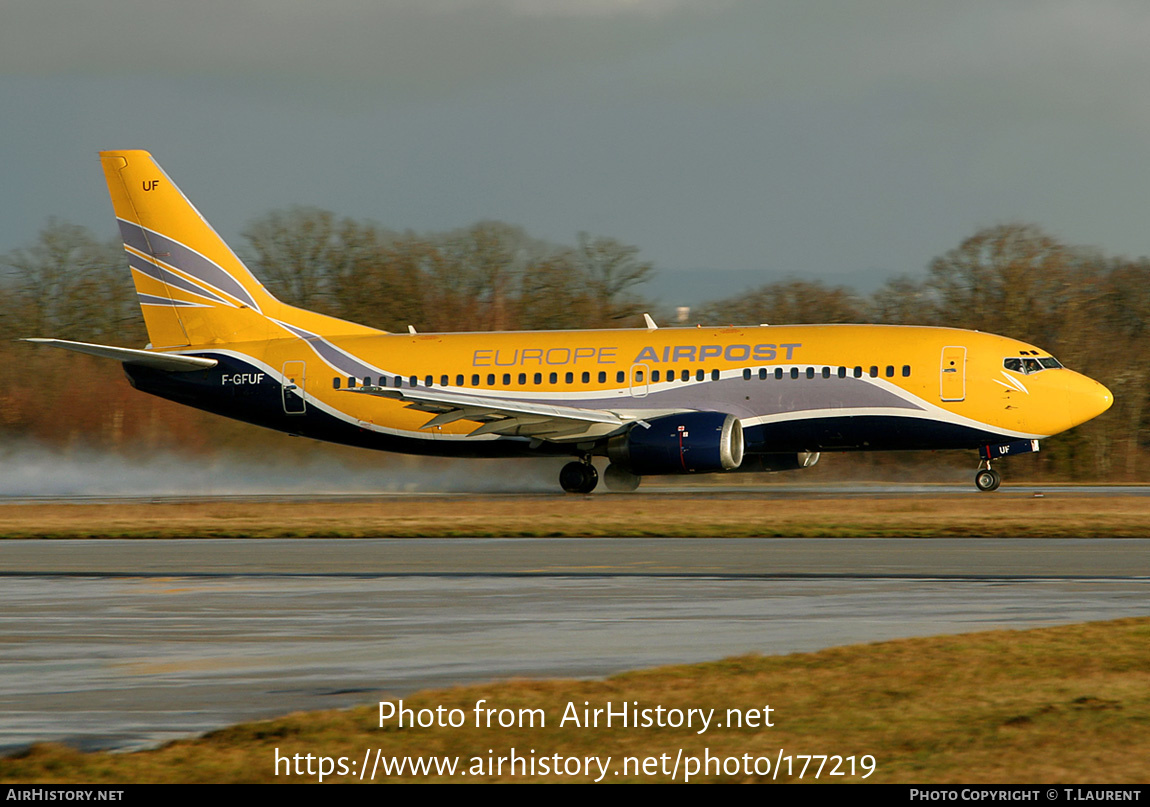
1086, 398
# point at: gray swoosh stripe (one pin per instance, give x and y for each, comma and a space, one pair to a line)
333, 355
164, 276
185, 259
151, 299
744, 398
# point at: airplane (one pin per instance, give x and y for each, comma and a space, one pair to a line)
652, 400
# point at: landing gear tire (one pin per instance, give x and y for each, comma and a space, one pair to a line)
987, 479
578, 477
620, 480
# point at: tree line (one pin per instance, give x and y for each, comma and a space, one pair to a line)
1087, 308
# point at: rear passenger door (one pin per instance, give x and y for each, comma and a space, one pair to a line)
294, 381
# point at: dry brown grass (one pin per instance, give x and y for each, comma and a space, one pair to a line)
1067, 704
1060, 513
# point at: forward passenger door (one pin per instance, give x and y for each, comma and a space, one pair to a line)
952, 374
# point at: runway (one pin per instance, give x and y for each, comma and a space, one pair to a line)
960, 558
123, 644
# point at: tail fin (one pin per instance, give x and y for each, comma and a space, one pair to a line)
192, 288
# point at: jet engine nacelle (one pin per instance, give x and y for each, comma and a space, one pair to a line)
693, 442
762, 463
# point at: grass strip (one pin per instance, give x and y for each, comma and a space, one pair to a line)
1057, 515
1053, 705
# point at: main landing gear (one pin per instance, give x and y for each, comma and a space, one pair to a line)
579, 477
987, 479
621, 480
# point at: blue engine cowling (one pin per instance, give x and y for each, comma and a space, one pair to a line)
692, 442
765, 463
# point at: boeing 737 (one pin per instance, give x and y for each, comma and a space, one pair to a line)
652, 400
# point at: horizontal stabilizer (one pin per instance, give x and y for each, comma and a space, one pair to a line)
145, 358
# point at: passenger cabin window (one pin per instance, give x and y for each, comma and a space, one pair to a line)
747, 374
491, 379
523, 378
602, 376
762, 373
873, 371
428, 380
507, 379
890, 371
443, 381
335, 383
620, 377
842, 372
459, 380
810, 372
586, 377
906, 371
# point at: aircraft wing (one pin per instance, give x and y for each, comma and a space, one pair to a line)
504, 415
148, 358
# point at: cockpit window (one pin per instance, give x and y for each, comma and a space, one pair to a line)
1027, 366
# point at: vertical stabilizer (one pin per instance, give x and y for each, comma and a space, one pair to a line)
193, 289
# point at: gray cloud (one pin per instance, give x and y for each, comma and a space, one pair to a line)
847, 141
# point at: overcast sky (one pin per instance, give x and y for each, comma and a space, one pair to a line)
741, 142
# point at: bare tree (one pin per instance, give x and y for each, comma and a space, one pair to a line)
904, 301
475, 281
611, 272
553, 295
1011, 279
71, 285
790, 302
298, 252
386, 284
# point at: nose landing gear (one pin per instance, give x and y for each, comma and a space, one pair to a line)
987, 479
